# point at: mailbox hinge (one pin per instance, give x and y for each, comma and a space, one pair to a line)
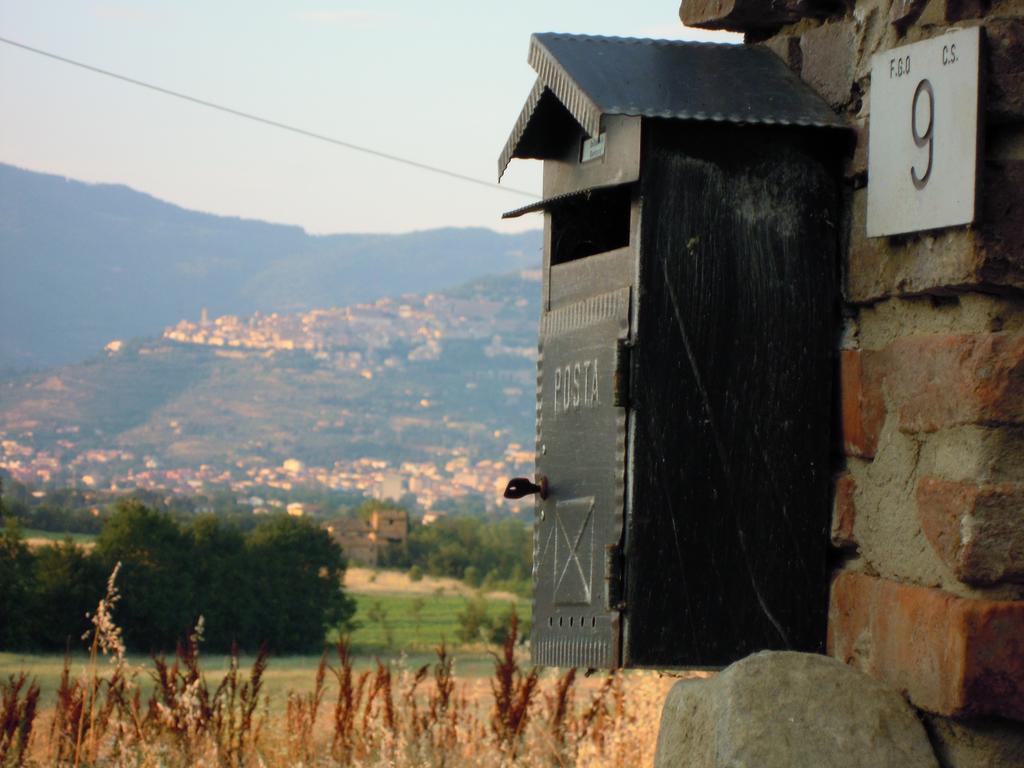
621, 376
614, 596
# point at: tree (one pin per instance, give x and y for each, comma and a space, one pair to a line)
297, 574
473, 621
501, 626
156, 580
68, 583
416, 611
468, 548
472, 576
16, 587
224, 574
14, 496
281, 583
379, 615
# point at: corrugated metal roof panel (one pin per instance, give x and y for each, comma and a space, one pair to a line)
594, 76
546, 203
522, 122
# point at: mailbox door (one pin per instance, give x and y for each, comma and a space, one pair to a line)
581, 450
728, 532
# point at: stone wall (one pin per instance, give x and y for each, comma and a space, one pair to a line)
928, 522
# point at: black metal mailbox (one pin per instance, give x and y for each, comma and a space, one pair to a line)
685, 370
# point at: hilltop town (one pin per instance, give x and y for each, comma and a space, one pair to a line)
427, 395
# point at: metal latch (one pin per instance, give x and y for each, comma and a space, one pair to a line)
518, 487
620, 378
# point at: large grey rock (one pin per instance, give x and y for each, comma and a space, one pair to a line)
788, 710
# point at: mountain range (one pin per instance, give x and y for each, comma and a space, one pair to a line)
167, 349
82, 264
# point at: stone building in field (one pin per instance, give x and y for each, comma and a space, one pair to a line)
353, 535
362, 541
389, 526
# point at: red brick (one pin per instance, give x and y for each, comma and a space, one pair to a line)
978, 530
862, 402
844, 511
932, 382
952, 656
939, 381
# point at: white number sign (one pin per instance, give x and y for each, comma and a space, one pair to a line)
923, 135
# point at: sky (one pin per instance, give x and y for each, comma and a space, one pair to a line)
438, 82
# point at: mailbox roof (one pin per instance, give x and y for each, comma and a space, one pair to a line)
592, 76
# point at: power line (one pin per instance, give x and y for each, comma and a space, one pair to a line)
268, 121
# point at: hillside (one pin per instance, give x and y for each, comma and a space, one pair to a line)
83, 264
435, 391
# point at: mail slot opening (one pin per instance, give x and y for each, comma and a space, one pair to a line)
593, 222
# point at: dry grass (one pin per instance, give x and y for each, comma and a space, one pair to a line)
389, 715
36, 539
367, 581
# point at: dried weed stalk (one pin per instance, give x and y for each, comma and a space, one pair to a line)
513, 694
19, 703
302, 713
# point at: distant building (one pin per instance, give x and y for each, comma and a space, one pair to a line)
391, 487
354, 536
390, 526
362, 541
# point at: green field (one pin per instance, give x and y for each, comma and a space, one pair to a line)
413, 643
437, 621
284, 673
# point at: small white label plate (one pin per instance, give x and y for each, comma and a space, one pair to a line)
593, 149
923, 137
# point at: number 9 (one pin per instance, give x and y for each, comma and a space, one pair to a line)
926, 138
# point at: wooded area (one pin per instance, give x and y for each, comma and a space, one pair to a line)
279, 584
